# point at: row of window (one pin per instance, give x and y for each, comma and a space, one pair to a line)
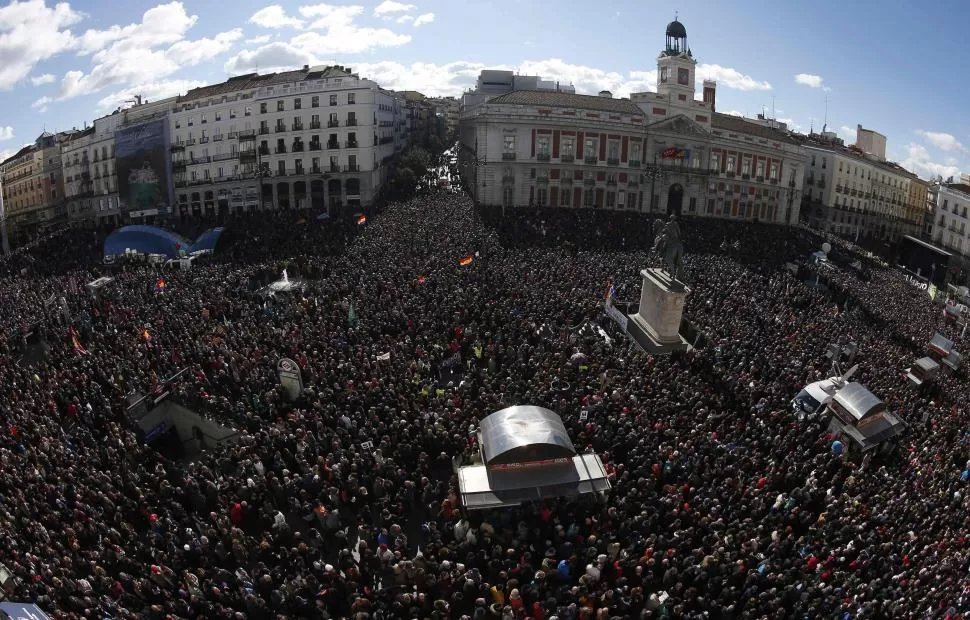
351, 99
854, 170
293, 167
956, 208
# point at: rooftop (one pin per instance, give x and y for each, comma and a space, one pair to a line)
556, 99
817, 142
729, 122
255, 80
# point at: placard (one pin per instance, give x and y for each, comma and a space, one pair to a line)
291, 379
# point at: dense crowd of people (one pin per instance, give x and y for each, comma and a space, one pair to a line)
343, 504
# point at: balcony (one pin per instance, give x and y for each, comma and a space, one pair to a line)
281, 129
542, 179
314, 124
745, 176
199, 160
386, 140
334, 169
591, 159
508, 156
298, 147
217, 137
315, 146
613, 161
821, 184
297, 127
264, 150
351, 144
542, 157
351, 122
299, 171
247, 154
352, 168
838, 189
773, 180
316, 170
203, 140
333, 145
280, 150
332, 124
508, 179
730, 174
634, 163
178, 164
566, 181
759, 179
810, 181
589, 182
263, 131
177, 146
189, 142
567, 159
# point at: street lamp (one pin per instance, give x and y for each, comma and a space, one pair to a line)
654, 171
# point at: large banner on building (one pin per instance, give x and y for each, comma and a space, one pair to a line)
141, 161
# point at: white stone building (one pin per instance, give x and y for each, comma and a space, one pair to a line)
658, 151
857, 196
950, 224
91, 190
315, 138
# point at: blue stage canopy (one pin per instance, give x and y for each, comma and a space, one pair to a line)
154, 240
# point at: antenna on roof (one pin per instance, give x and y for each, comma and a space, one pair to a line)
773, 107
826, 124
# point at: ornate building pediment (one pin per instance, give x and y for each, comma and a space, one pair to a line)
679, 124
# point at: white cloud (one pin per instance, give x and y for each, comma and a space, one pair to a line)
733, 113
731, 78
258, 40
143, 53
404, 19
6, 133
589, 80
277, 56
274, 16
30, 33
41, 104
847, 133
150, 91
333, 31
918, 161
46, 78
389, 6
807, 79
941, 140
421, 20
431, 79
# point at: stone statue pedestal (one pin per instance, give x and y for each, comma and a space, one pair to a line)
656, 325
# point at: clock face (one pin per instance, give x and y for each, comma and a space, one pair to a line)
683, 76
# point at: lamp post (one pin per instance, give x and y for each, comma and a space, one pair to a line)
3, 225
654, 171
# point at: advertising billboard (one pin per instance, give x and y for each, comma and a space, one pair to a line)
141, 160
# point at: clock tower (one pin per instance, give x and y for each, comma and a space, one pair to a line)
675, 66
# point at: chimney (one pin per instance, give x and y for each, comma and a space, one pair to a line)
306, 67
606, 94
348, 70
710, 88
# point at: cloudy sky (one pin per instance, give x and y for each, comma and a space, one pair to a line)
884, 65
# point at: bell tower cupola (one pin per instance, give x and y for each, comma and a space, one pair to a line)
675, 65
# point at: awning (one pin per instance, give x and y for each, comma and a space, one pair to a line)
481, 488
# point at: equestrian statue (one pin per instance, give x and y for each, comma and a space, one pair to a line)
670, 248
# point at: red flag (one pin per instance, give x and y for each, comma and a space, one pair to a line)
422, 279
465, 261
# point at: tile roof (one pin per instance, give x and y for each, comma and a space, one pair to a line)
729, 122
255, 80
556, 99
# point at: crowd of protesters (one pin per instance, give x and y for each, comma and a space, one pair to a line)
343, 503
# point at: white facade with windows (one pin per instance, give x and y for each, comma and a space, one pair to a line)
90, 179
951, 225
857, 196
311, 138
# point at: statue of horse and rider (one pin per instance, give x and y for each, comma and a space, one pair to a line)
669, 246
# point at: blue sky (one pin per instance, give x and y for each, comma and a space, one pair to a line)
884, 65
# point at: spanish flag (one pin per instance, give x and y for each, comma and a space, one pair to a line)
361, 219
465, 261
422, 279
